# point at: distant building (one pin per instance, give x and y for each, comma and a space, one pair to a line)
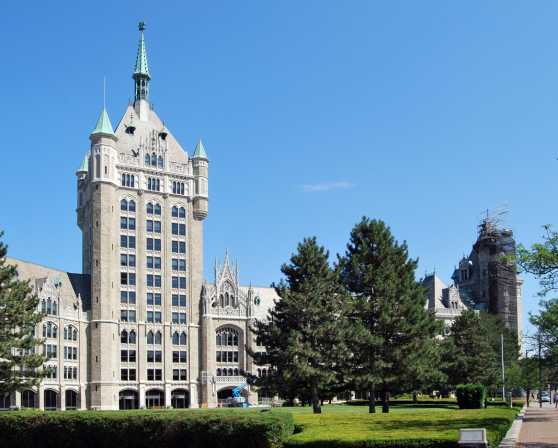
140, 326
484, 280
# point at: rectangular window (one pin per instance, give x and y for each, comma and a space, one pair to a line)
157, 226
157, 317
179, 374
131, 242
157, 299
182, 265
149, 279
123, 241
178, 247
181, 318
174, 264
174, 228
157, 244
149, 243
132, 260
131, 297
182, 229
123, 222
150, 316
174, 318
149, 225
175, 300
154, 374
182, 282
132, 223
154, 262
123, 260
179, 356
150, 298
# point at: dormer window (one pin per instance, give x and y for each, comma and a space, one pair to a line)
163, 135
130, 130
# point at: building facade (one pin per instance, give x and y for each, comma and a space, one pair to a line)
484, 280
140, 327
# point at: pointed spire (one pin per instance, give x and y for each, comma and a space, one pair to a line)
103, 125
84, 167
142, 68
200, 153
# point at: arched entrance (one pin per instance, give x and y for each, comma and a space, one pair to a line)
28, 399
71, 399
51, 400
154, 398
128, 399
180, 399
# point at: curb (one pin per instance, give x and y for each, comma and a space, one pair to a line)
510, 439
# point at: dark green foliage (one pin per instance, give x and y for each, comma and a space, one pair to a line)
139, 429
18, 318
393, 331
472, 351
471, 396
305, 334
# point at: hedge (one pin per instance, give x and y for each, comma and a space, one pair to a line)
471, 396
163, 429
403, 443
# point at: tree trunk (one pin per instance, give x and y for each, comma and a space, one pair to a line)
372, 400
528, 395
415, 399
316, 401
385, 401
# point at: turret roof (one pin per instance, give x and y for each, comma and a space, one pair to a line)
200, 151
104, 125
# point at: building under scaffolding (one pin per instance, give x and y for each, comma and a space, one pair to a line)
485, 280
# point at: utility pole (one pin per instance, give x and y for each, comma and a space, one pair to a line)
503, 374
540, 370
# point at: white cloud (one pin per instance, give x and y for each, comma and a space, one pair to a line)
327, 186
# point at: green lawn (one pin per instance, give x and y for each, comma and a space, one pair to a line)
340, 425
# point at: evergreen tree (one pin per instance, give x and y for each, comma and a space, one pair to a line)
18, 318
473, 350
304, 334
393, 330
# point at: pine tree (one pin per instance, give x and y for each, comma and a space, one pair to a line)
304, 334
18, 317
388, 310
473, 349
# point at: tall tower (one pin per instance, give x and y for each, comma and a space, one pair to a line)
141, 206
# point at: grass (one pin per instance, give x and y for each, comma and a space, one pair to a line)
340, 425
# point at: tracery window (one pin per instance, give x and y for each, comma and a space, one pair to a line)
50, 330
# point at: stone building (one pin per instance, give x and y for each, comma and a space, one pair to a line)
484, 281
140, 327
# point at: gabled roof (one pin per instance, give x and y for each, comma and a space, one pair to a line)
200, 153
104, 125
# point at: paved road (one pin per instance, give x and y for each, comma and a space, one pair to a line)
540, 427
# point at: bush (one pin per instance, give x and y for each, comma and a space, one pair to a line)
471, 396
164, 429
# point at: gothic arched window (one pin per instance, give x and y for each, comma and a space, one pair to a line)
182, 212
149, 208
153, 159
124, 337
158, 338
160, 162
132, 206
157, 209
132, 337
147, 159
183, 338
150, 337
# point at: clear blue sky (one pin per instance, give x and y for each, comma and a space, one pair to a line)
313, 113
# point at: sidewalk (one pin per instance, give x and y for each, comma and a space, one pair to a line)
540, 427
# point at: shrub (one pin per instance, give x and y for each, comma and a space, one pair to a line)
164, 429
471, 396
